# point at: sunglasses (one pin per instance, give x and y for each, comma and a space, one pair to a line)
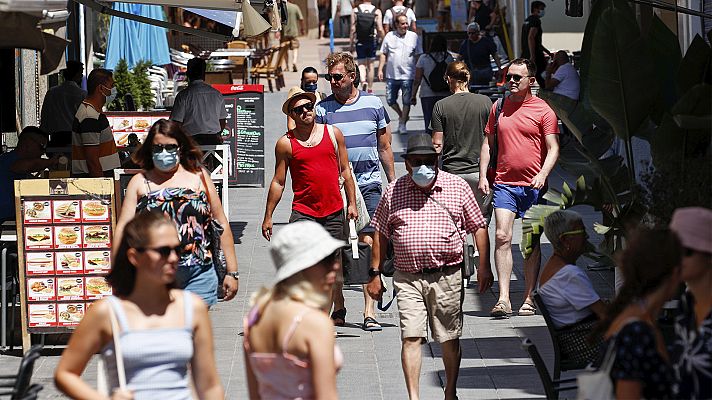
164, 251
303, 107
576, 232
418, 162
158, 148
515, 77
336, 77
473, 33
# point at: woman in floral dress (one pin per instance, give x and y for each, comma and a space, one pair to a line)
174, 182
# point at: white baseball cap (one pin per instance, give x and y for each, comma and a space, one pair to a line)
300, 245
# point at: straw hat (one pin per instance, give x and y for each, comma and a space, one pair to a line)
295, 93
693, 226
300, 245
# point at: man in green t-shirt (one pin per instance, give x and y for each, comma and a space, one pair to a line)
290, 31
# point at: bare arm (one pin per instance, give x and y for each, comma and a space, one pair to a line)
321, 355
204, 371
628, 389
91, 335
385, 153
227, 242
484, 163
349, 184
381, 63
378, 250
27, 166
352, 34
416, 85
552, 154
438, 141
484, 270
599, 308
379, 25
92, 155
223, 124
282, 152
128, 208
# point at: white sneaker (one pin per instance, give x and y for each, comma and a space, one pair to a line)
402, 128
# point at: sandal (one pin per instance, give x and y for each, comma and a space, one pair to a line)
527, 309
339, 317
370, 324
501, 310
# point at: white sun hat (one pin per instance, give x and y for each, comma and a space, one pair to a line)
300, 245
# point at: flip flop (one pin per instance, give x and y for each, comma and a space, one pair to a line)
339, 317
527, 309
370, 325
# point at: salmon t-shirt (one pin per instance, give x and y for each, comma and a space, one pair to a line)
520, 135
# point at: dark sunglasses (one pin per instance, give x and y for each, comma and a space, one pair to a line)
158, 148
473, 33
418, 162
336, 77
515, 77
305, 106
164, 251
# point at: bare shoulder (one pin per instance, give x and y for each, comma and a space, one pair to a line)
319, 322
198, 305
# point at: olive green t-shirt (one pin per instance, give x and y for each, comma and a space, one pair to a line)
294, 15
462, 118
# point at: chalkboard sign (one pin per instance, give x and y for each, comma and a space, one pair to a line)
245, 123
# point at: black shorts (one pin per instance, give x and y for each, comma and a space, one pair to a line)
333, 223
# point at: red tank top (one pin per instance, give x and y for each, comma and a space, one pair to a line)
315, 177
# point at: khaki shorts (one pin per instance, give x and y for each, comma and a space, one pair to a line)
430, 299
293, 42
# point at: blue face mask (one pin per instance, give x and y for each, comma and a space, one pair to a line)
310, 87
111, 96
423, 176
542, 13
166, 161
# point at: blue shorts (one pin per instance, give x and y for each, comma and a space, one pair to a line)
366, 50
371, 196
517, 199
392, 88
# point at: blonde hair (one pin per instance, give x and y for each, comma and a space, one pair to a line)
296, 287
341, 58
458, 71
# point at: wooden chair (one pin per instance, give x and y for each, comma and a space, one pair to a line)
560, 363
240, 62
271, 69
217, 77
552, 387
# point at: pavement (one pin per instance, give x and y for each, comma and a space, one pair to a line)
493, 364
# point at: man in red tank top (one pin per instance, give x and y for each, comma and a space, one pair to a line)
315, 155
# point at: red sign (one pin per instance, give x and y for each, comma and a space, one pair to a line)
232, 89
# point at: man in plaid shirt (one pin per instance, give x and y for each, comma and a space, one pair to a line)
426, 215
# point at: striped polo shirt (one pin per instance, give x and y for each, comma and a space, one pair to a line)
91, 128
359, 122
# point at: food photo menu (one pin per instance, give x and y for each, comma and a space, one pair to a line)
67, 253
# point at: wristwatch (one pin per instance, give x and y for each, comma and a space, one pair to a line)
235, 274
373, 272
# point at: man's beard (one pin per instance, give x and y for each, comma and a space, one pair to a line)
343, 92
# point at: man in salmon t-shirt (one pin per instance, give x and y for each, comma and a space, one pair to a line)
528, 147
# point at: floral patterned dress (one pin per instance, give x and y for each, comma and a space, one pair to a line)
190, 210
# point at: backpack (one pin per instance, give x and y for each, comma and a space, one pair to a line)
436, 77
395, 15
365, 24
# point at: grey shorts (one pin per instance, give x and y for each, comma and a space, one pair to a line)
483, 200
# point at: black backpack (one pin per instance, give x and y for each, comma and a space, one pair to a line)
436, 77
365, 24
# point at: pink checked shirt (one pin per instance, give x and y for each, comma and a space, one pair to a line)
423, 234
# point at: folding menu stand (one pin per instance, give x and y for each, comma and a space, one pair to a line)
64, 236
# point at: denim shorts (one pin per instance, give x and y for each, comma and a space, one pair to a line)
392, 88
366, 50
517, 199
371, 196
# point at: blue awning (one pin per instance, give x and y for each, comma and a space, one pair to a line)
223, 17
135, 41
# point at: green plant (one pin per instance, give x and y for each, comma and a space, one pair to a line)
633, 84
124, 83
143, 97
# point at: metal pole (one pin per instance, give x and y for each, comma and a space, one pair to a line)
331, 34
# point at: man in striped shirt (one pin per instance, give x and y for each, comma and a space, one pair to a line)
94, 151
363, 120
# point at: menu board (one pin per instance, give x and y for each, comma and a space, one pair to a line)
246, 126
65, 250
124, 124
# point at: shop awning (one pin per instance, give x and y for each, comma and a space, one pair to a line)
224, 17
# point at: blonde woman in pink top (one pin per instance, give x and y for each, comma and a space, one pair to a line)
290, 351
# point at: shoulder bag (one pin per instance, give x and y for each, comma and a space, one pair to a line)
102, 381
213, 234
468, 251
597, 385
494, 148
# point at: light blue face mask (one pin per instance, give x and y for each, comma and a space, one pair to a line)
111, 96
541, 13
166, 161
423, 176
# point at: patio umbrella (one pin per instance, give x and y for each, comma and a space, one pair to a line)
135, 41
